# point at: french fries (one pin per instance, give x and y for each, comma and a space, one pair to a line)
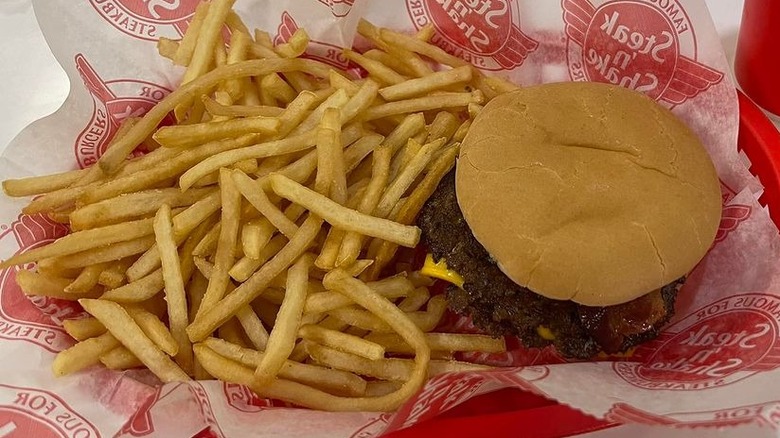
255, 242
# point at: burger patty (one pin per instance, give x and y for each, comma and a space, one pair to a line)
500, 306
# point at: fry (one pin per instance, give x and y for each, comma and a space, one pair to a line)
187, 43
415, 300
252, 287
327, 379
121, 325
418, 46
342, 342
261, 150
352, 242
132, 205
83, 354
277, 88
167, 48
246, 266
425, 321
253, 327
182, 136
84, 240
36, 185
173, 280
374, 68
87, 279
390, 288
432, 82
239, 45
37, 284
228, 235
195, 292
252, 238
217, 109
183, 224
413, 105
295, 46
406, 177
343, 217
120, 358
138, 290
114, 275
390, 61
281, 340
208, 35
154, 329
361, 294
254, 192
84, 328
442, 342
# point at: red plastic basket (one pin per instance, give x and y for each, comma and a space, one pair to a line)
511, 412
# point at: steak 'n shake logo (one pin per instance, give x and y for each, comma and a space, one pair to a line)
644, 45
245, 400
485, 33
114, 101
148, 19
29, 412
35, 319
726, 341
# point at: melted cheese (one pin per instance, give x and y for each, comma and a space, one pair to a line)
440, 270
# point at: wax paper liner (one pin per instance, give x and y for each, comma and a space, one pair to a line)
715, 365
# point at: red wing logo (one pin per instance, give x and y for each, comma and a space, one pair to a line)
114, 101
33, 319
638, 45
148, 19
730, 219
483, 32
318, 50
722, 343
339, 8
29, 412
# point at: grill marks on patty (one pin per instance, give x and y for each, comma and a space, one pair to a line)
500, 306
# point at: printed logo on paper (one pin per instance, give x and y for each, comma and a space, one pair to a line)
114, 101
764, 414
33, 319
373, 427
644, 45
339, 8
29, 412
722, 343
148, 19
730, 219
321, 51
206, 411
243, 399
485, 33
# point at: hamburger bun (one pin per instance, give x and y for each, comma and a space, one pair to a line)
587, 192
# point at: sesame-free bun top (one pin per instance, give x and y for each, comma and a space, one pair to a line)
587, 192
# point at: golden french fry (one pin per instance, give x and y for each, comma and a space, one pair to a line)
174, 287
390, 288
138, 290
209, 35
329, 380
120, 358
426, 84
37, 284
426, 103
406, 177
295, 46
154, 329
277, 88
121, 325
252, 238
183, 224
87, 279
84, 328
196, 289
375, 68
419, 46
215, 108
442, 342
281, 340
246, 266
190, 38
114, 275
83, 354
342, 342
254, 192
223, 260
253, 327
390, 61
215, 316
343, 217
36, 185
167, 48
181, 136
415, 300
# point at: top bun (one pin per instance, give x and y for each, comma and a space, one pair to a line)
587, 192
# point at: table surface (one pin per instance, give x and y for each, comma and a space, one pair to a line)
33, 85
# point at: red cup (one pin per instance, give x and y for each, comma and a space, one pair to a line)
757, 62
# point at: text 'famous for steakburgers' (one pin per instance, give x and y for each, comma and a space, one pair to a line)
574, 215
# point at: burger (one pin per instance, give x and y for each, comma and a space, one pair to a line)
572, 218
